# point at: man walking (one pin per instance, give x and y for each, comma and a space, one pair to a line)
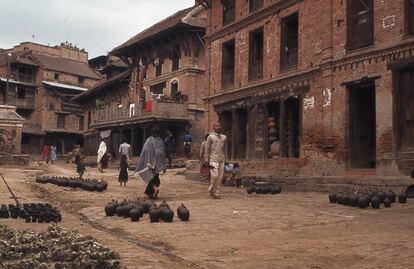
125, 149
215, 146
102, 156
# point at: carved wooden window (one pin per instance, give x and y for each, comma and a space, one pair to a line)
21, 93
256, 54
229, 11
158, 88
289, 41
409, 17
81, 122
255, 4
228, 63
89, 119
360, 25
175, 65
81, 80
61, 120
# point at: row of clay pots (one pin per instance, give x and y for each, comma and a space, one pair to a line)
31, 212
266, 189
88, 185
373, 199
137, 209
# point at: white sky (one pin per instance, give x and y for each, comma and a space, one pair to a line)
96, 25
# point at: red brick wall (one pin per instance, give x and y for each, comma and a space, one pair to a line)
322, 43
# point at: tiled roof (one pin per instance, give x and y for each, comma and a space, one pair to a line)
66, 66
101, 85
177, 19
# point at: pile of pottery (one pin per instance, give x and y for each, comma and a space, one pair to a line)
135, 210
41, 213
85, 184
368, 198
54, 248
273, 140
264, 189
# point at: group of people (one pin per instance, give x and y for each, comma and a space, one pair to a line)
49, 153
152, 160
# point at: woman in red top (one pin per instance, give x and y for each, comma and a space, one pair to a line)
46, 153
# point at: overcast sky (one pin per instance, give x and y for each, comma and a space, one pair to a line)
96, 25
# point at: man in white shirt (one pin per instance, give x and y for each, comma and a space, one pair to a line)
215, 147
125, 149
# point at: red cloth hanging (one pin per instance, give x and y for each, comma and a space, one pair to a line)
148, 106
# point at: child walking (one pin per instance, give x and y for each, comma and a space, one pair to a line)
123, 170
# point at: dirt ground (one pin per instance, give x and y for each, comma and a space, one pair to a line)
289, 230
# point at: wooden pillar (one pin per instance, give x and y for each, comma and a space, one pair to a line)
282, 135
233, 134
132, 140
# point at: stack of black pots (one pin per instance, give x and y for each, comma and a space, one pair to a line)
85, 184
41, 213
135, 210
367, 198
264, 189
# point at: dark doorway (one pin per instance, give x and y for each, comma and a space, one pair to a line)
241, 134
292, 127
362, 133
226, 121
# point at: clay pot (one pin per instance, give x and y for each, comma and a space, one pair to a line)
110, 209
391, 196
167, 214
183, 213
272, 139
134, 214
363, 202
119, 210
375, 202
402, 198
154, 215
272, 131
249, 190
275, 148
387, 202
353, 200
146, 205
271, 119
332, 198
346, 200
381, 195
164, 205
271, 125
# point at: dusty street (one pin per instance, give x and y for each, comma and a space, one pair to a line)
289, 230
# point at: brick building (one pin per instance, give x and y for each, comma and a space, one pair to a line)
42, 80
162, 87
313, 87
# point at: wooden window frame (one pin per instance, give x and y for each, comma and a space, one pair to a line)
255, 4
352, 44
229, 11
61, 121
409, 28
227, 72
288, 55
254, 62
158, 68
19, 91
81, 123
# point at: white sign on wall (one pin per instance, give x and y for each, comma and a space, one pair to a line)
327, 97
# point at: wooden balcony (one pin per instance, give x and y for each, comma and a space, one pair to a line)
23, 77
161, 110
